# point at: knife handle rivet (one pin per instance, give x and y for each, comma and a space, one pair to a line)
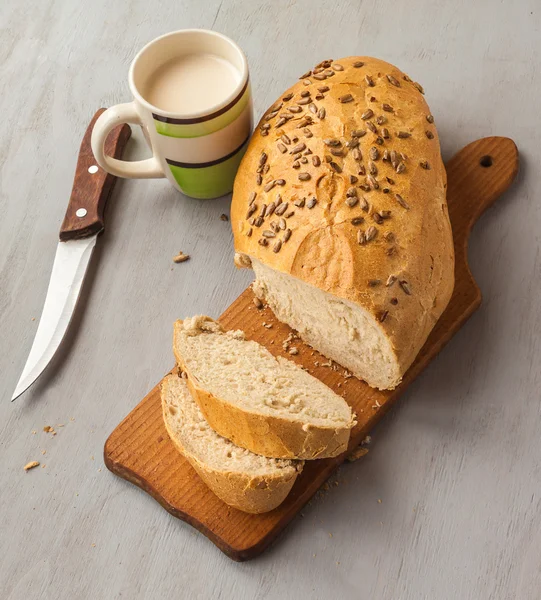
81, 212
93, 169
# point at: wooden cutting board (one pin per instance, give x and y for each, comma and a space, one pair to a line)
140, 451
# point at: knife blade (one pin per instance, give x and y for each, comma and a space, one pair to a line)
82, 224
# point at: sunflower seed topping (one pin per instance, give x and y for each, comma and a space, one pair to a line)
382, 315
357, 220
296, 165
393, 81
299, 203
400, 168
311, 203
358, 133
268, 233
295, 109
305, 75
374, 282
308, 133
381, 120
290, 214
259, 179
358, 64
335, 166
373, 153
320, 76
346, 98
369, 81
249, 232
287, 234
405, 287
389, 180
304, 176
270, 209
367, 114
323, 88
304, 101
252, 197
401, 201
321, 113
361, 238
258, 222
362, 170
373, 170
372, 182
337, 67
313, 108
337, 152
281, 209
385, 214
332, 142
357, 154
263, 242
419, 87
353, 143
377, 218
269, 186
429, 135
424, 164
372, 127
316, 161
394, 301
282, 148
280, 122
351, 201
370, 233
251, 210
390, 280
403, 134
263, 158
389, 236
298, 148
364, 204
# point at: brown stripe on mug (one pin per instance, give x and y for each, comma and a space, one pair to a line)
223, 110
184, 165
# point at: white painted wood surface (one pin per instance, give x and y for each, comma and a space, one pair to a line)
457, 465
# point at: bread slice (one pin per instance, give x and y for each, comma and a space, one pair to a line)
247, 481
265, 404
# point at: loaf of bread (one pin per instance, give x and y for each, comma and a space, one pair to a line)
249, 482
339, 207
267, 405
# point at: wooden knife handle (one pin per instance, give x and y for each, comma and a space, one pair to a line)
92, 186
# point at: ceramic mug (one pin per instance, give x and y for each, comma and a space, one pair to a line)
198, 152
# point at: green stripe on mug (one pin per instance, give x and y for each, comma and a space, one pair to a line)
208, 180
185, 128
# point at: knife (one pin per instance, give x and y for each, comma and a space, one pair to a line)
82, 224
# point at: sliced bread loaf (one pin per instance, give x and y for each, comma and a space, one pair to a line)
247, 481
262, 403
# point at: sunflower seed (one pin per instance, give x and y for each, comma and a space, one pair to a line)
382, 315
358, 133
400, 168
263, 211
337, 151
304, 101
429, 135
304, 176
308, 133
405, 287
335, 166
263, 242
389, 236
320, 76
403, 156
391, 251
282, 148
357, 220
259, 179
337, 67
299, 203
386, 190
373, 153
252, 197
372, 169
329, 73
287, 234
295, 109
419, 87
393, 81
357, 154
296, 165
381, 120
385, 133
311, 203
277, 246
298, 148
430, 118
353, 179
387, 108
385, 214
271, 115
365, 187
319, 97
351, 192
297, 156
401, 201
281, 122
316, 161
263, 158
321, 113
269, 186
265, 126
367, 114
390, 280
353, 143
268, 233
346, 98
377, 218
403, 134
317, 70
357, 64
352, 201
249, 232
280, 181
304, 160
332, 142
372, 127
372, 182
374, 282
313, 108
328, 158
394, 301
305, 75
287, 97
258, 222
281, 209
369, 81
389, 180
424, 164
282, 223
361, 237
323, 88
251, 210
362, 170
290, 214
274, 226
270, 209
371, 233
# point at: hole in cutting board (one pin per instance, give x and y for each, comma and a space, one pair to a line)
485, 161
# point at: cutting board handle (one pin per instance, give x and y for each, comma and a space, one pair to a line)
92, 186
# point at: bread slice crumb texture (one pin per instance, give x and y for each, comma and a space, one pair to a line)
247, 375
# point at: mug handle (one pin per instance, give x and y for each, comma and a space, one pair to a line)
111, 118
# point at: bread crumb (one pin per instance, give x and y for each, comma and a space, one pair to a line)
72, 418
224, 217
330, 535
339, 384
43, 451
359, 452
48, 429
34, 432
60, 425
293, 351
267, 325
33, 319
367, 439
93, 545
91, 457
181, 257
258, 303
31, 465
43, 466
379, 500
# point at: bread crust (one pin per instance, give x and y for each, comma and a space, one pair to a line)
251, 494
266, 435
413, 245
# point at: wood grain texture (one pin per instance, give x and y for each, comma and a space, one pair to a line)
92, 186
455, 462
140, 450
